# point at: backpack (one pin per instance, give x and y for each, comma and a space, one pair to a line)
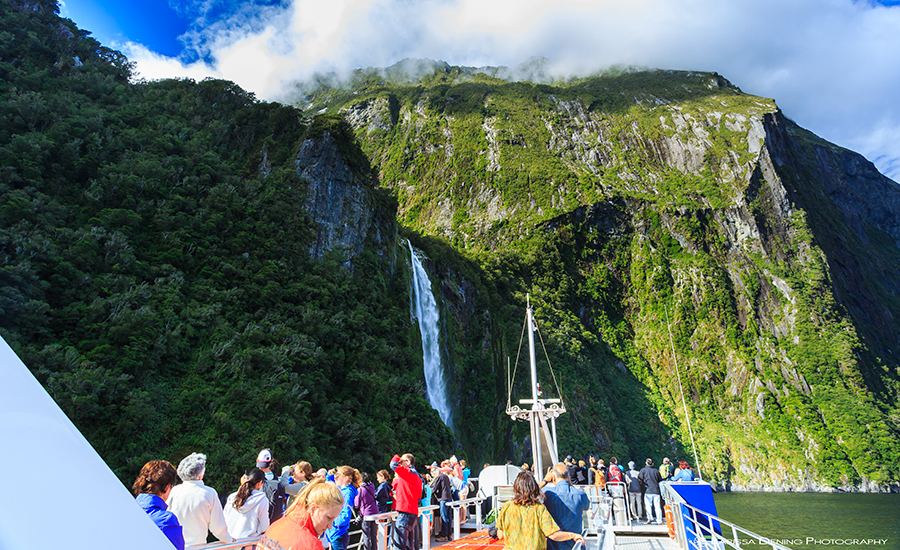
665, 471
277, 498
615, 473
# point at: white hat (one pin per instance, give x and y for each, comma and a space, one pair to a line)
453, 459
264, 458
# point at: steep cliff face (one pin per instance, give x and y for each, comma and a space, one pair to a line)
346, 208
156, 272
231, 291
338, 202
656, 211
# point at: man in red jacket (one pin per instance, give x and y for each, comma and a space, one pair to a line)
408, 493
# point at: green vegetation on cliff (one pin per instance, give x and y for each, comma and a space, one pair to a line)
626, 202
155, 271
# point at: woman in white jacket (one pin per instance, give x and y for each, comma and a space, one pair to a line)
247, 510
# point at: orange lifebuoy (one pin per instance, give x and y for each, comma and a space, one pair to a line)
670, 522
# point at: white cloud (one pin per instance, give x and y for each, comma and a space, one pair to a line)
832, 65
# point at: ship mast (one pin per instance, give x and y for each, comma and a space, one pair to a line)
543, 434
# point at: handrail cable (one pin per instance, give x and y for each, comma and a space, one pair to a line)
681, 390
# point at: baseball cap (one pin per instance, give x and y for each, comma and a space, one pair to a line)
264, 458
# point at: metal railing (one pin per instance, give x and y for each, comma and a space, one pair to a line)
610, 502
696, 529
618, 491
458, 507
248, 542
384, 522
598, 520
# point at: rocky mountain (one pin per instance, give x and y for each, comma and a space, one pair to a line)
663, 221
186, 268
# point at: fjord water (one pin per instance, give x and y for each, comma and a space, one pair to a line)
807, 521
424, 308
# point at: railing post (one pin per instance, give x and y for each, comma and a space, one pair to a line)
478, 524
426, 531
456, 516
383, 542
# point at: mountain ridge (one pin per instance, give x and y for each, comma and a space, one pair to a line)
721, 178
169, 278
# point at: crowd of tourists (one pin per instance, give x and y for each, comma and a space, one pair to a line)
300, 508
644, 502
306, 509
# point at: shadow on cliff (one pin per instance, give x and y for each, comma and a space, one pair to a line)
482, 312
854, 215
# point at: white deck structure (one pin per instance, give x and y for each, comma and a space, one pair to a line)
58, 492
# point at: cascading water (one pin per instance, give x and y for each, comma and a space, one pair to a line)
424, 308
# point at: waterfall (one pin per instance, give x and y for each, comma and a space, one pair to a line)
424, 308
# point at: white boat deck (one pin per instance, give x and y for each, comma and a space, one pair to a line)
641, 528
643, 542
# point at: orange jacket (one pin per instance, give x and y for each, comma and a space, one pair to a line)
294, 531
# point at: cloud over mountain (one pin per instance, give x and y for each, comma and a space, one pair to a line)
831, 64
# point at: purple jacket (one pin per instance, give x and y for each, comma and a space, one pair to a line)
365, 500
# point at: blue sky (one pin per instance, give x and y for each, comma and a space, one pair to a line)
160, 25
833, 66
150, 22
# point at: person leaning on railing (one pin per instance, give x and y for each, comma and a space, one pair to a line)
151, 489
524, 522
348, 480
197, 506
247, 510
367, 506
313, 511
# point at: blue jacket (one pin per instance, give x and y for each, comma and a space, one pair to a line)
684, 475
341, 524
566, 505
384, 497
166, 521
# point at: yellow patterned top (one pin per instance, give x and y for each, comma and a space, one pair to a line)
525, 527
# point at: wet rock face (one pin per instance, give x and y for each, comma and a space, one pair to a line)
339, 200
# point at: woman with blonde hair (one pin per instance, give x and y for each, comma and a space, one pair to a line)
347, 479
524, 522
313, 511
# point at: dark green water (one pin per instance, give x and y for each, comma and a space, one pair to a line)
806, 521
